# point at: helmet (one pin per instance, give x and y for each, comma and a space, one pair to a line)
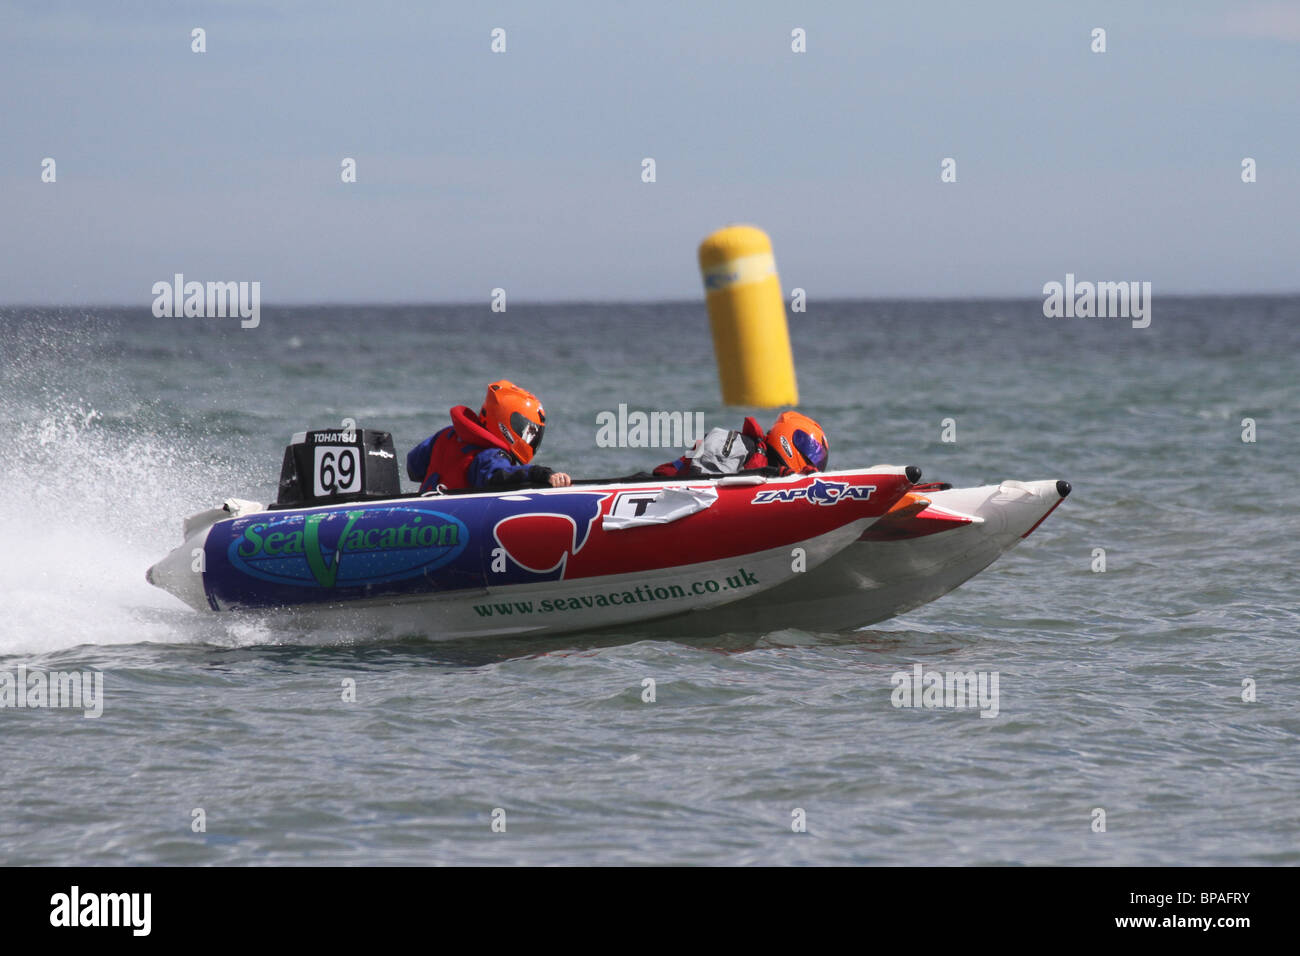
516, 415
799, 442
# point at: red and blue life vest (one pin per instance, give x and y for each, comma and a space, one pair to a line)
454, 448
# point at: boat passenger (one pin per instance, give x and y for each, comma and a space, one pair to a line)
493, 449
794, 445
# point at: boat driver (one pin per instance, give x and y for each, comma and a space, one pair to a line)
491, 449
795, 444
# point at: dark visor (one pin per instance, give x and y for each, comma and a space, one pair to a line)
813, 451
529, 431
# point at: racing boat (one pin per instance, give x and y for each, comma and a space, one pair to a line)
826, 551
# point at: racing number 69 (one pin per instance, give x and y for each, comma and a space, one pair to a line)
337, 470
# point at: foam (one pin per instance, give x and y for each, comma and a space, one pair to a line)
87, 504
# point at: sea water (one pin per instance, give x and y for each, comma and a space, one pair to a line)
1143, 639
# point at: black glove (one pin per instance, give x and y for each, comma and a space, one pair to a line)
536, 475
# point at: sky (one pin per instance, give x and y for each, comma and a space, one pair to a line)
523, 170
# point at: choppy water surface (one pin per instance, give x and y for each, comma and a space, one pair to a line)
1119, 690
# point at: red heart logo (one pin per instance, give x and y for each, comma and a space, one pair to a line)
537, 543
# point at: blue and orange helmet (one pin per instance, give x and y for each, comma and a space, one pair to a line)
799, 442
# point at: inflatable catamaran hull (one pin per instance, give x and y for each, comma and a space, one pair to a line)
529, 561
342, 547
898, 564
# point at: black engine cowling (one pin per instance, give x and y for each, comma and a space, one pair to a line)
333, 465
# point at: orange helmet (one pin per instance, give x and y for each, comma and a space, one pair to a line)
799, 442
517, 415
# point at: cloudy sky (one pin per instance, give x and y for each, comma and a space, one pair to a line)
523, 169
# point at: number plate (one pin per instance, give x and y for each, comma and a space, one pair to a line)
337, 471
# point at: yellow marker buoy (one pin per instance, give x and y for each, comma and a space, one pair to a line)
747, 314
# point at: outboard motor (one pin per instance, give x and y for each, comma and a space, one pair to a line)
335, 465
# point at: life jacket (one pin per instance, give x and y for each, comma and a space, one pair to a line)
723, 452
455, 447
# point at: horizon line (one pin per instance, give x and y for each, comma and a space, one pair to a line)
479, 303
